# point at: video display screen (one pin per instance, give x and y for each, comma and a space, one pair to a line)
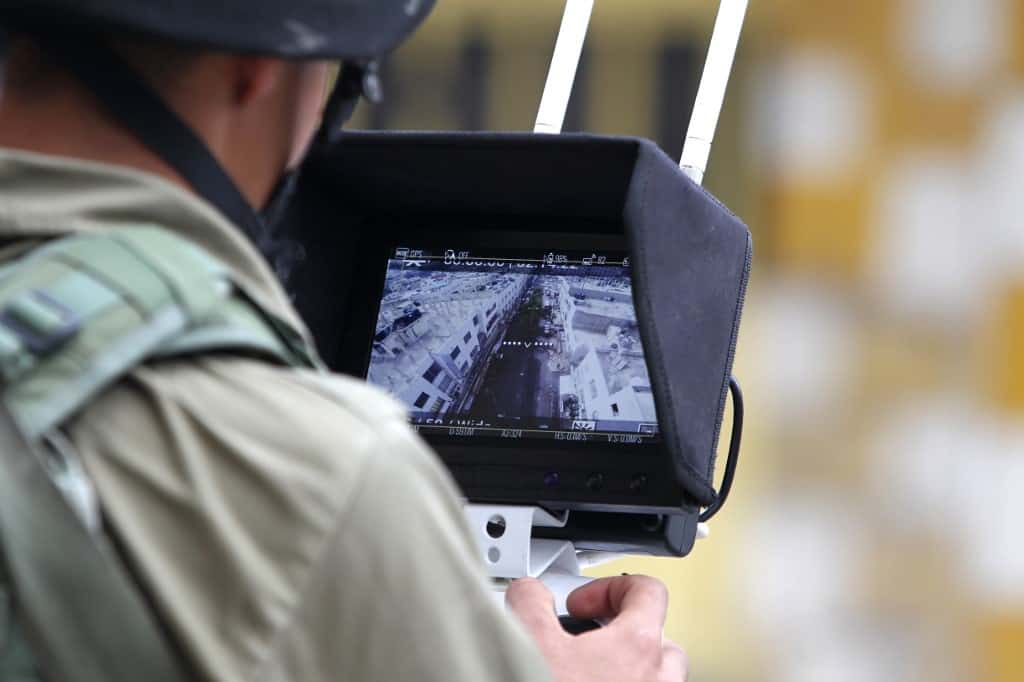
514, 344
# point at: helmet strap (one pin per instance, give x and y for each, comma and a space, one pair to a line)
137, 106
355, 80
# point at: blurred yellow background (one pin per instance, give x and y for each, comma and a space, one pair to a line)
876, 149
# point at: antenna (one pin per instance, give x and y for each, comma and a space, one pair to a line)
564, 62
711, 94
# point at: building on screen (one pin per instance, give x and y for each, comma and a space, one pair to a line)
435, 332
608, 377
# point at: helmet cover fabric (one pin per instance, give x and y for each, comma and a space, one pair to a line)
299, 29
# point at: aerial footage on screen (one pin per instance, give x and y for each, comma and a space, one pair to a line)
530, 345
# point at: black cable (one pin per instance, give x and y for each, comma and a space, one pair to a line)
357, 79
734, 451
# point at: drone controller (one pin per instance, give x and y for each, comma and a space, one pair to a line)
558, 313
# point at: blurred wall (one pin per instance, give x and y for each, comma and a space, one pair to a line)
876, 149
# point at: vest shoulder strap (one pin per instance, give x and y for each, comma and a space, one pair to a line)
74, 613
78, 314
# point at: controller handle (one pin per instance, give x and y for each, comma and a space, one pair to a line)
577, 626
561, 585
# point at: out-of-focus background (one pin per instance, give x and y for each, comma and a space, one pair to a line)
876, 148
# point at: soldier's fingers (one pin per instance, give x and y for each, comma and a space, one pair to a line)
675, 666
534, 605
633, 601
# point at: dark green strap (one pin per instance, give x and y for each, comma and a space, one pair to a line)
79, 313
76, 315
85, 618
17, 659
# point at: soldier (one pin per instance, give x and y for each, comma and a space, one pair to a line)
283, 523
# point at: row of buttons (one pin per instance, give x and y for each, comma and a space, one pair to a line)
499, 478
595, 481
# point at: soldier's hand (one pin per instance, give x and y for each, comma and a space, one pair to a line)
630, 648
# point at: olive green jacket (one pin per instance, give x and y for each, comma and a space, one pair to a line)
287, 525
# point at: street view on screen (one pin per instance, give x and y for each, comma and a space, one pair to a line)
519, 345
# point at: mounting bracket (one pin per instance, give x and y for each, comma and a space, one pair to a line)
504, 535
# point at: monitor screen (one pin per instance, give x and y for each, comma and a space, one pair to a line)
513, 344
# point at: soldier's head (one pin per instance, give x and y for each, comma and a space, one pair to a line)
225, 96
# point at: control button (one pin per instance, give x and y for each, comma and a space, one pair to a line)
552, 479
638, 483
595, 482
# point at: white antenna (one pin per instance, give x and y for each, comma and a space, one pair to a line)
565, 61
711, 94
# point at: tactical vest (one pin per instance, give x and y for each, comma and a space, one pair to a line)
77, 315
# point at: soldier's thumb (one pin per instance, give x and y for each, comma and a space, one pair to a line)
534, 605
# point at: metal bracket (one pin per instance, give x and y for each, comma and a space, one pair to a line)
504, 535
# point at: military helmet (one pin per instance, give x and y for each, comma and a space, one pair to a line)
302, 29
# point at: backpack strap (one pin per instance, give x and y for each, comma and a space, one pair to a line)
78, 314
75, 610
